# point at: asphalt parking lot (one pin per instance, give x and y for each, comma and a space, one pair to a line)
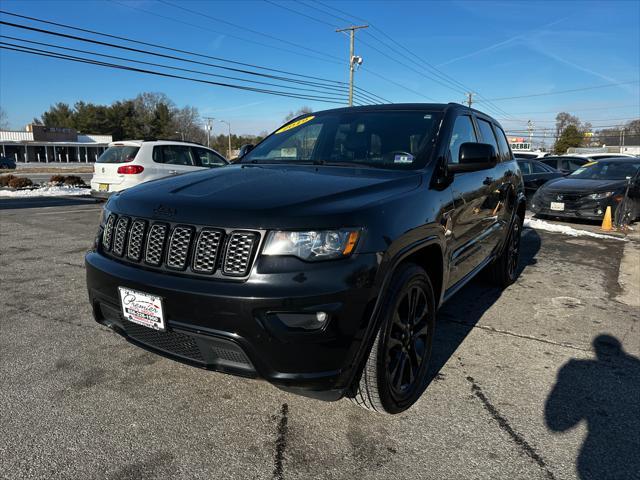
539, 381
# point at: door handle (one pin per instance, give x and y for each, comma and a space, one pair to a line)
173, 172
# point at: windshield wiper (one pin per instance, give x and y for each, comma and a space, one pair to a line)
347, 164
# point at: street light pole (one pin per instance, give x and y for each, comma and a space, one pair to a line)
353, 59
229, 136
181, 135
208, 129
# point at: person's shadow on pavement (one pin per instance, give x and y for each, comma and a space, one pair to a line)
604, 392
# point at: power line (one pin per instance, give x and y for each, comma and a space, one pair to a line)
231, 35
558, 92
172, 57
366, 94
164, 47
39, 52
376, 74
200, 72
244, 28
444, 79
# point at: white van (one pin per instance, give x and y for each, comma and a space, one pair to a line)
131, 162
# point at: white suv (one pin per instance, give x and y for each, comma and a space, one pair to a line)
130, 162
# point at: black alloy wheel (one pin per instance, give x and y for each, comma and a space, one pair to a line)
395, 373
407, 342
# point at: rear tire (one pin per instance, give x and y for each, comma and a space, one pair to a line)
504, 269
395, 373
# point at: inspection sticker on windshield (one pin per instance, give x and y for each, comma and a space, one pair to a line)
295, 124
403, 158
142, 308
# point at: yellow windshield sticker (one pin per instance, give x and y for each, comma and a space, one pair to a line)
295, 124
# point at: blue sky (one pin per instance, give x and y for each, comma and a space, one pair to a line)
497, 49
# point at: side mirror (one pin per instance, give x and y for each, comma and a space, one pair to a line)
244, 149
474, 157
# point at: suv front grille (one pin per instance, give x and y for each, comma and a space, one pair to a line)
187, 248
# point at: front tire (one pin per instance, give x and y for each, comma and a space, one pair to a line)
395, 373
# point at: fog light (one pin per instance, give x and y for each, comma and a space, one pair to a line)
301, 320
599, 211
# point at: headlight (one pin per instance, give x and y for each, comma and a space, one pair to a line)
104, 214
312, 245
600, 195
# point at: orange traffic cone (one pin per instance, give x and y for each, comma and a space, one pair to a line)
606, 221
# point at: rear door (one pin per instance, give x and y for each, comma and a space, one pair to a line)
498, 180
175, 159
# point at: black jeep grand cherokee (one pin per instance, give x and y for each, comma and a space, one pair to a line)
318, 261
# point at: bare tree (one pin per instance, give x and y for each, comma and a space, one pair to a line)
300, 111
4, 120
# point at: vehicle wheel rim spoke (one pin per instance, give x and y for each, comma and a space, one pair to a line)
407, 340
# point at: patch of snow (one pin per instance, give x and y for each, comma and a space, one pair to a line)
50, 191
538, 224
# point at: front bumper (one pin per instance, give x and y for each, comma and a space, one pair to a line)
225, 325
584, 208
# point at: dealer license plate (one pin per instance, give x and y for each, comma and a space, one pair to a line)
557, 206
142, 308
103, 187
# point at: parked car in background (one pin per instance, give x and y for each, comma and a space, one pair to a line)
132, 162
535, 174
319, 261
603, 156
7, 163
588, 191
529, 155
565, 163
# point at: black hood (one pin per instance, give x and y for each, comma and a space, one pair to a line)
264, 196
582, 185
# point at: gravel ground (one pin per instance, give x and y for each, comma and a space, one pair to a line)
519, 391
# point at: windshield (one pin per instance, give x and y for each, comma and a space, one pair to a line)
118, 154
393, 139
607, 170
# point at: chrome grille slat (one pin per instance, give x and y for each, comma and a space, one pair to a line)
136, 239
205, 255
155, 244
120, 235
238, 253
178, 249
107, 234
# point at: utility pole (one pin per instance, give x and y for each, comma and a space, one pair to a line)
530, 128
229, 127
469, 100
208, 127
354, 60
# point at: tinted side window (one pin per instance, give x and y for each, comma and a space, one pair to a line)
575, 164
551, 163
505, 152
173, 155
525, 167
538, 167
207, 158
487, 133
463, 132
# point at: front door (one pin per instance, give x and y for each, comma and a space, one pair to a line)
470, 191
